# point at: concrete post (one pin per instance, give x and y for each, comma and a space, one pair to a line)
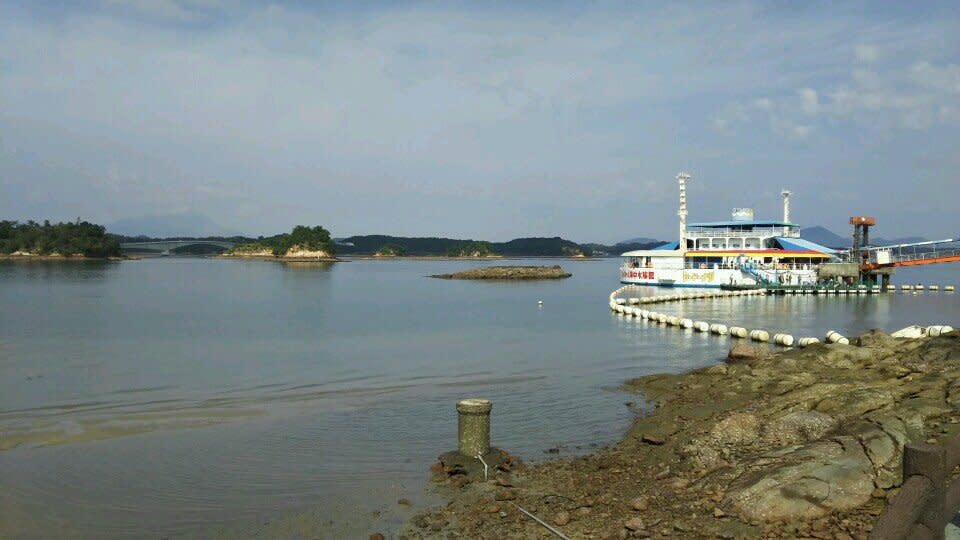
473, 426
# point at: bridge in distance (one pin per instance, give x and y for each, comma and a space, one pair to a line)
166, 247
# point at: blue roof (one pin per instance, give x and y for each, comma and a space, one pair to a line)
668, 246
800, 243
759, 223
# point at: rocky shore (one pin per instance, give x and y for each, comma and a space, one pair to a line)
293, 255
807, 443
509, 272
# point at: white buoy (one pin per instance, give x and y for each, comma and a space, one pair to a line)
760, 335
934, 288
836, 337
738, 331
621, 301
918, 287
686, 323
673, 320
634, 301
662, 318
783, 339
948, 288
701, 326
539, 302
939, 330
807, 341
905, 287
718, 329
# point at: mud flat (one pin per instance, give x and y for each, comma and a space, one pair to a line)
806, 443
509, 273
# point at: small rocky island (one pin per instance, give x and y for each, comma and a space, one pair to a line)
509, 273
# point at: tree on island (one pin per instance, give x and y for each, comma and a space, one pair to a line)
471, 249
80, 238
391, 250
301, 237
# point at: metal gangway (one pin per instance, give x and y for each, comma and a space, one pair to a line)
913, 254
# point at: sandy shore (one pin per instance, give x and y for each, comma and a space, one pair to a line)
802, 444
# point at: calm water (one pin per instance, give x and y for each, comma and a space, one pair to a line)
188, 396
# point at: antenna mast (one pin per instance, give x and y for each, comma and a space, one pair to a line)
682, 212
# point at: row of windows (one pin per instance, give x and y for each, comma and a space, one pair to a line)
725, 243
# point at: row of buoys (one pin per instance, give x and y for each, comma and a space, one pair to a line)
920, 287
626, 307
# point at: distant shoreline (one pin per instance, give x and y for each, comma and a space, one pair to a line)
22, 257
451, 258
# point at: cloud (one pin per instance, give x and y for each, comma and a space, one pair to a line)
410, 107
866, 54
808, 101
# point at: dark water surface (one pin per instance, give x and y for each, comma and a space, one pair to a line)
182, 396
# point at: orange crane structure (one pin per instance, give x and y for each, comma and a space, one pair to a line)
881, 260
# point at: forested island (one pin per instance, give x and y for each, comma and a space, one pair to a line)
79, 239
301, 243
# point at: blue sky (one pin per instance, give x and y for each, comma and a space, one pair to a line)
480, 120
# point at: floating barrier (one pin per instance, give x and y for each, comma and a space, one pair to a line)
760, 335
891, 287
686, 323
738, 331
933, 288
701, 326
906, 287
718, 329
836, 337
620, 301
807, 341
918, 287
644, 314
948, 288
783, 339
662, 318
634, 301
673, 320
939, 330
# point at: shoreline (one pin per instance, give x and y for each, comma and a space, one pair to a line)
801, 443
476, 259
63, 258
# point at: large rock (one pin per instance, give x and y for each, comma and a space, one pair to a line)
809, 482
742, 353
797, 427
736, 429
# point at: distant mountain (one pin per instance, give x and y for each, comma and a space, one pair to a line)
639, 240
186, 224
826, 237
370, 244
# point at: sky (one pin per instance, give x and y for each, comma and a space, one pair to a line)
483, 120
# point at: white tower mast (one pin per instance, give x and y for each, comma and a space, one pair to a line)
786, 209
682, 179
